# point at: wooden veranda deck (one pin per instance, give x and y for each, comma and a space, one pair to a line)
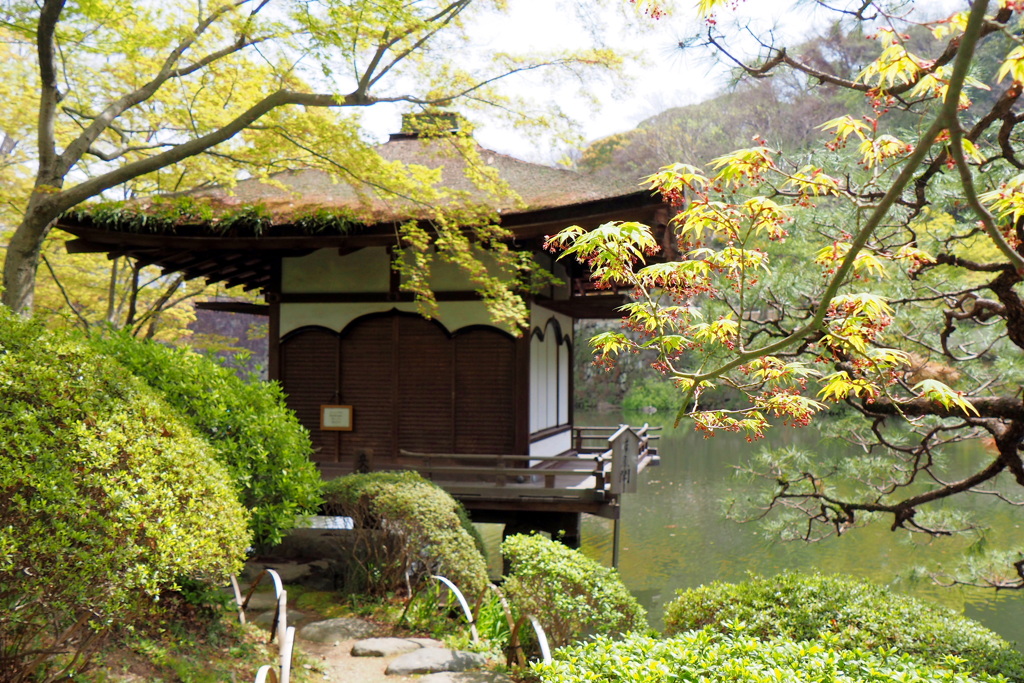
603, 466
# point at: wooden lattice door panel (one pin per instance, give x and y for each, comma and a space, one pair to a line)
484, 391
309, 376
425, 358
367, 382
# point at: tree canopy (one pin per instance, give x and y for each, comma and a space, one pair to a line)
139, 98
873, 273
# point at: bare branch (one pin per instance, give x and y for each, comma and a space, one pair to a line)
64, 293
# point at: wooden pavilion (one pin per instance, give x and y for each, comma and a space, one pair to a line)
487, 414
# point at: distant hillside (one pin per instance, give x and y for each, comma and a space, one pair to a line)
784, 109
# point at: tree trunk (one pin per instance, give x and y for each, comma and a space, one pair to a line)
19, 282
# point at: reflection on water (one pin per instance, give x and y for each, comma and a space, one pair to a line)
674, 535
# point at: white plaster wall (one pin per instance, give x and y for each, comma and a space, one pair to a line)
552, 372
448, 277
366, 270
564, 372
553, 445
453, 315
550, 364
538, 384
539, 317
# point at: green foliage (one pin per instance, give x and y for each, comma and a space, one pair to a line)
712, 657
166, 215
570, 594
856, 614
253, 434
251, 219
471, 529
433, 609
321, 220
492, 622
412, 525
652, 392
107, 499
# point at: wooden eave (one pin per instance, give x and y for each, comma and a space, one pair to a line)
249, 260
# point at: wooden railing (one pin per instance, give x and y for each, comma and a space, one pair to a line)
587, 440
516, 469
285, 634
595, 471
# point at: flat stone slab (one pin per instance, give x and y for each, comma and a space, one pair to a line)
466, 677
431, 660
388, 647
333, 630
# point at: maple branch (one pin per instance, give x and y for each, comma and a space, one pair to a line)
943, 120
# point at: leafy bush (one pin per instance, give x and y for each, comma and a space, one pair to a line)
106, 500
252, 432
858, 614
652, 392
420, 526
569, 593
713, 657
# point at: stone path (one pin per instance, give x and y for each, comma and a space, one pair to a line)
352, 650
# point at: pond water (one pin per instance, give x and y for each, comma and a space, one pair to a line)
674, 533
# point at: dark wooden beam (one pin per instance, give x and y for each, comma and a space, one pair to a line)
369, 297
273, 299
235, 307
222, 266
84, 246
247, 284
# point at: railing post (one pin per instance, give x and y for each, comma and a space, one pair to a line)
239, 603
624, 448
282, 617
287, 645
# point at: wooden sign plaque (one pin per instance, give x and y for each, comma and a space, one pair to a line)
334, 418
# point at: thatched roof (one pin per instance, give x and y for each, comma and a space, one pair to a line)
236, 234
292, 193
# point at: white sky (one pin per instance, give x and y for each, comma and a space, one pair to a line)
665, 77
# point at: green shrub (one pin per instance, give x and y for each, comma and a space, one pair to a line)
857, 613
712, 657
252, 432
569, 593
106, 500
652, 392
413, 524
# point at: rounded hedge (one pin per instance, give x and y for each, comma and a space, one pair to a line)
106, 498
709, 656
854, 613
421, 528
570, 594
253, 433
